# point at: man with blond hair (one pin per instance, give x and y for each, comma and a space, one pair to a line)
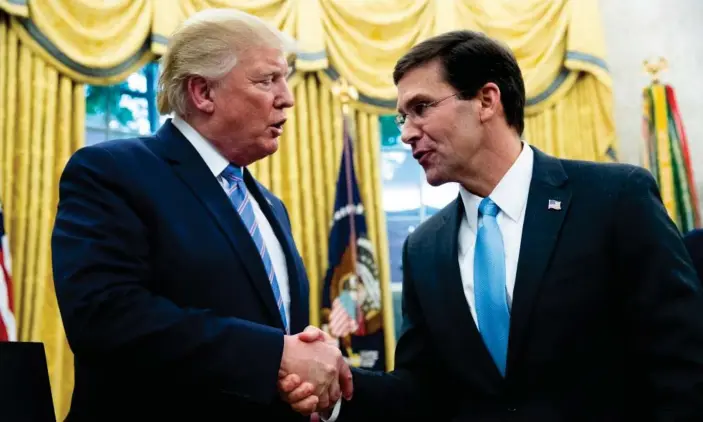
180, 286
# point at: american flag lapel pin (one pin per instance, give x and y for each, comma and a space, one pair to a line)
554, 205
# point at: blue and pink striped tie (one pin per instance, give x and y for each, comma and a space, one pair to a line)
241, 200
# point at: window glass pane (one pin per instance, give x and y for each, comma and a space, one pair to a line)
132, 115
95, 135
402, 187
402, 178
434, 198
96, 101
137, 81
398, 231
390, 134
122, 110
96, 121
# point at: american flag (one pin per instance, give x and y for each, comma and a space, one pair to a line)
8, 327
351, 284
342, 319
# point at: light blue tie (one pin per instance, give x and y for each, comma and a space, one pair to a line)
489, 285
241, 200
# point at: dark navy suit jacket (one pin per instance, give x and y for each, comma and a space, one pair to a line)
694, 244
163, 295
606, 321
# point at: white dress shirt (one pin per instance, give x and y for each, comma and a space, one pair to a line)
217, 164
511, 197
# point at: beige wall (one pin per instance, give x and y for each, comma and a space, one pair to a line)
640, 29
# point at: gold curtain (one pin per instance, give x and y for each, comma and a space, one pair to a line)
41, 124
560, 48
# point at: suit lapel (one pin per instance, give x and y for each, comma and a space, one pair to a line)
539, 236
472, 352
190, 167
298, 291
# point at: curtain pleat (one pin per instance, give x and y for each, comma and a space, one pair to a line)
41, 123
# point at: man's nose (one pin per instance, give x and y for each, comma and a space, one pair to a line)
285, 98
409, 133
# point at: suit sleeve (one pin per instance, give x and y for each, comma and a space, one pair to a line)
664, 303
410, 391
100, 253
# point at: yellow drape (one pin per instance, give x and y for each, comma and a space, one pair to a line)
41, 124
97, 34
560, 49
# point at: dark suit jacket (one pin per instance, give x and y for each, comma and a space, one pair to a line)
162, 292
606, 320
694, 245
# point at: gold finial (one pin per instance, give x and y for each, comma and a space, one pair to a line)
654, 67
345, 92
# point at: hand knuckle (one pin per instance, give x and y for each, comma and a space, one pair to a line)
330, 369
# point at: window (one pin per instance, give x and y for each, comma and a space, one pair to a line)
408, 200
124, 110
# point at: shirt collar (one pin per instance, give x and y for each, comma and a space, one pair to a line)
215, 161
511, 192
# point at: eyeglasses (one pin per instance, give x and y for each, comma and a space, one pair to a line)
418, 110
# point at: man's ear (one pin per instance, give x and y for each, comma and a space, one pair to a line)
489, 97
200, 93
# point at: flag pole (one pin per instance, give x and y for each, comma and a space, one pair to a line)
347, 94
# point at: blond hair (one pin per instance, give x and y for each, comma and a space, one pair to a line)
207, 45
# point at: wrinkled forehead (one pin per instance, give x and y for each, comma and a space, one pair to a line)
265, 60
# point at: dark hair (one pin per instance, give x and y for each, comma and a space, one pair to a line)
470, 60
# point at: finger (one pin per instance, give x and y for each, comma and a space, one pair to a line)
299, 394
311, 334
306, 406
289, 383
335, 394
324, 400
346, 381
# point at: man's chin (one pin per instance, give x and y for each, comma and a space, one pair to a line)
434, 178
271, 145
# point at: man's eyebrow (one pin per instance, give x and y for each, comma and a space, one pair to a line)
414, 99
271, 71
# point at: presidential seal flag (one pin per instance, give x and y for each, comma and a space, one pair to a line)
351, 293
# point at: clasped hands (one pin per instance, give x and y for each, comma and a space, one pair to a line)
313, 375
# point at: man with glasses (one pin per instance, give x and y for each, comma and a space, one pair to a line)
549, 290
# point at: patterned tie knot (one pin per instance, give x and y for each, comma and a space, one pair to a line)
232, 173
488, 207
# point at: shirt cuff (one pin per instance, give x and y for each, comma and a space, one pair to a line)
335, 412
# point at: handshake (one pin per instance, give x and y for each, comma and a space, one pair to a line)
313, 375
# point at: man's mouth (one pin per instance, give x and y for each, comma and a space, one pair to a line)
277, 127
422, 156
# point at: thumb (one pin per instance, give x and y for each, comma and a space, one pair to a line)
346, 382
311, 334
